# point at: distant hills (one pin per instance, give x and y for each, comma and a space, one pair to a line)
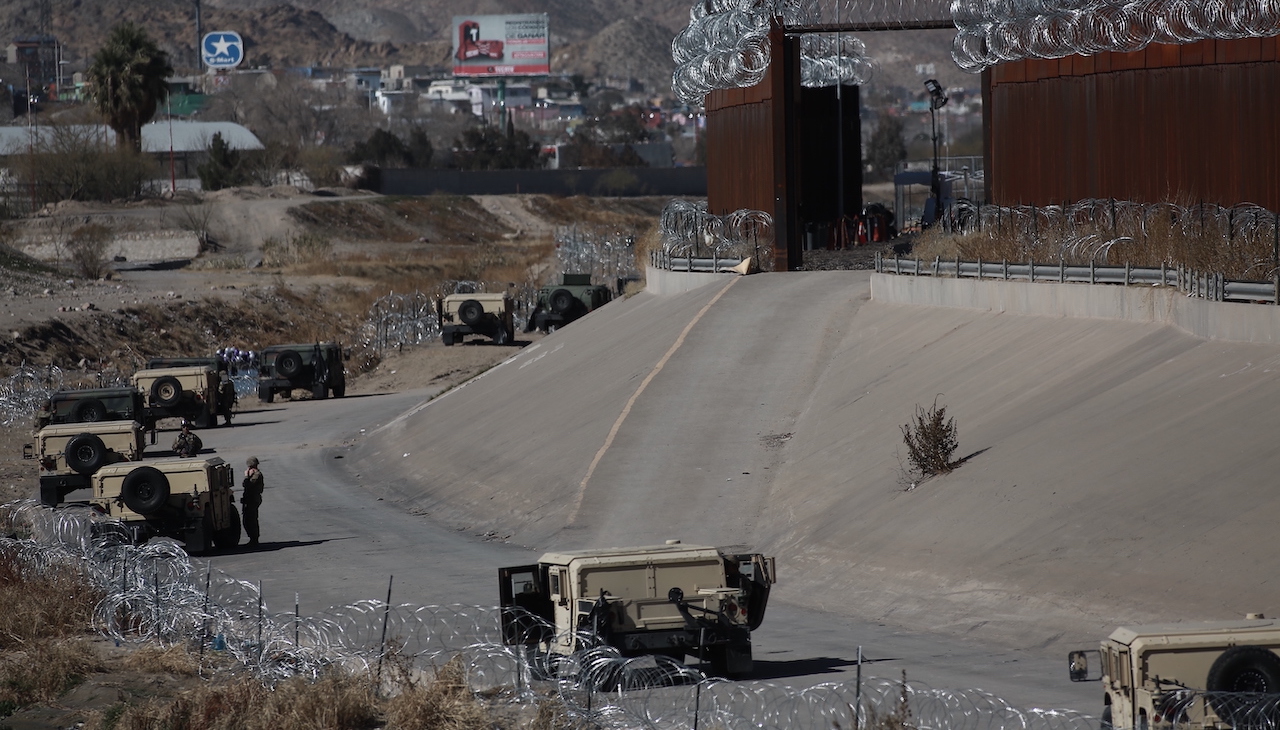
597, 38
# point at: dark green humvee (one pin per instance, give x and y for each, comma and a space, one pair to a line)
560, 304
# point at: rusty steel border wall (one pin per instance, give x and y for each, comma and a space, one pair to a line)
1190, 123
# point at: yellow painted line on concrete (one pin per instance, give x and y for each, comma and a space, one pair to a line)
626, 410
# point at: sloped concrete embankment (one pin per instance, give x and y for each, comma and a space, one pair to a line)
1118, 471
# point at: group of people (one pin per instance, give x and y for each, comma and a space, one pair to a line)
188, 445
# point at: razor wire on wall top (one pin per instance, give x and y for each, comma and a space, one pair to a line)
155, 593
996, 31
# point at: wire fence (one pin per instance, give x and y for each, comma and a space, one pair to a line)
156, 593
995, 31
689, 231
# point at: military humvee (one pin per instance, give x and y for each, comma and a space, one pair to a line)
92, 405
69, 454
672, 599
1199, 673
491, 315
316, 367
559, 305
188, 500
197, 393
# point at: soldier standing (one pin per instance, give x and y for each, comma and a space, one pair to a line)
187, 444
251, 499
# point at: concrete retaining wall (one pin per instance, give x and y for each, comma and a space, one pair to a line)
667, 283
1227, 321
153, 246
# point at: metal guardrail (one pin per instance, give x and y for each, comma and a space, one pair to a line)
713, 264
1198, 284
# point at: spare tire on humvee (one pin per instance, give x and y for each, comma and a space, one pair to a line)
70, 454
316, 367
188, 500
560, 304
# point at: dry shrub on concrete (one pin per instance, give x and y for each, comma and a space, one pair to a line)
931, 440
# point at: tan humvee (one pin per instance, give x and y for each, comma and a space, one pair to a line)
671, 599
492, 315
1189, 673
70, 453
188, 500
196, 393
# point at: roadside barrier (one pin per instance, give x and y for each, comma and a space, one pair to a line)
156, 593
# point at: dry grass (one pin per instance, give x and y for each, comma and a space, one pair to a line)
42, 670
334, 702
446, 702
172, 660
51, 605
44, 620
1156, 238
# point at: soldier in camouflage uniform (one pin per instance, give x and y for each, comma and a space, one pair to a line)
251, 499
187, 444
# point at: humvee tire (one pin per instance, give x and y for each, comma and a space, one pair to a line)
90, 411
266, 395
471, 312
86, 454
166, 391
229, 536
561, 301
289, 363
1245, 669
319, 392
145, 490
339, 391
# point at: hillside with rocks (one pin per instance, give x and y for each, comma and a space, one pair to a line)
595, 38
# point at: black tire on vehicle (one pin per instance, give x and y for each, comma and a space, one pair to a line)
1245, 669
266, 394
319, 392
145, 490
447, 339
166, 391
1242, 669
502, 336
90, 411
229, 536
561, 301
86, 454
289, 363
471, 312
339, 390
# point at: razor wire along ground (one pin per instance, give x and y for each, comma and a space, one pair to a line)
155, 593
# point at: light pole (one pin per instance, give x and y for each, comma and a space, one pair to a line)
937, 100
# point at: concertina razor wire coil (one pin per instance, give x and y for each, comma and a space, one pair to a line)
687, 229
725, 44
996, 31
1241, 239
156, 593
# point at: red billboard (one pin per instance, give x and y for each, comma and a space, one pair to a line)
501, 45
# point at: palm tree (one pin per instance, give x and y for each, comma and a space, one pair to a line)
127, 81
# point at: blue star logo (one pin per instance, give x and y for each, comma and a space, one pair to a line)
222, 49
